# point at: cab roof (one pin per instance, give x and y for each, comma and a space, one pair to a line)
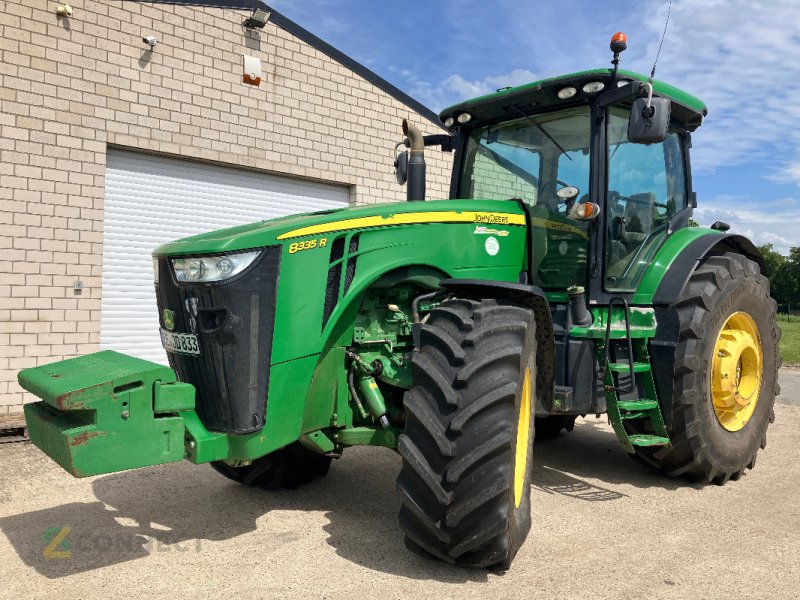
686, 109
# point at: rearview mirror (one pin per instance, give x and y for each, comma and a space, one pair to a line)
649, 125
568, 192
401, 167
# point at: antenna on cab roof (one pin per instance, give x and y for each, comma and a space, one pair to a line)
661, 43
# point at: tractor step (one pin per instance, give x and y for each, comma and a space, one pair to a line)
637, 409
645, 411
637, 405
610, 324
648, 440
623, 367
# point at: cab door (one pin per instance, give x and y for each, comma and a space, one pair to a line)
647, 187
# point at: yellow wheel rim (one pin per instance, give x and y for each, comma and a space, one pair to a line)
523, 434
736, 371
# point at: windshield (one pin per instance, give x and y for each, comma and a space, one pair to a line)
530, 159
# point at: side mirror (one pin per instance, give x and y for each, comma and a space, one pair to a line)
401, 167
649, 125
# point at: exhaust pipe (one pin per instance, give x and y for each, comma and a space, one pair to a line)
415, 187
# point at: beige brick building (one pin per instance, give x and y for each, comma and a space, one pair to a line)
71, 88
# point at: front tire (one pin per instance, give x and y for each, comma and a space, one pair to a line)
726, 373
467, 445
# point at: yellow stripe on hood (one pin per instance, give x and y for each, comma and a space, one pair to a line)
412, 218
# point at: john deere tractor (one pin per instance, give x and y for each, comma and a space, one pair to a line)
560, 279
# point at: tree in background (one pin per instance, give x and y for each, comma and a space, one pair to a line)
783, 273
772, 260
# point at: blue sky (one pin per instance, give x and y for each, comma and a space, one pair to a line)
742, 57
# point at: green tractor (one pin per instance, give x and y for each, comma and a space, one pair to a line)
560, 279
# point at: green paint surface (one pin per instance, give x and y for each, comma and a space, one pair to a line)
663, 259
97, 412
660, 88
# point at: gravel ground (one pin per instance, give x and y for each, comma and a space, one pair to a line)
603, 528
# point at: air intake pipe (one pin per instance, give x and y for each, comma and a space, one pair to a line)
415, 187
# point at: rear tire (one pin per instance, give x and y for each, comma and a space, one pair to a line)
702, 447
465, 489
288, 468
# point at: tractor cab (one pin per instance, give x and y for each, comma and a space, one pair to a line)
600, 203
545, 161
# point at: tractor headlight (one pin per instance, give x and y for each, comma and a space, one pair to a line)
155, 269
212, 268
593, 87
567, 92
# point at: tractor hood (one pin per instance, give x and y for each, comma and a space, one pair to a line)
298, 227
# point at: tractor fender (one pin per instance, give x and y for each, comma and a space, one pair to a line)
531, 297
664, 343
678, 273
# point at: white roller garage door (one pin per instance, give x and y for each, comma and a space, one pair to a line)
150, 200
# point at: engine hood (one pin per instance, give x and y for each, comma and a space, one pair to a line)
303, 226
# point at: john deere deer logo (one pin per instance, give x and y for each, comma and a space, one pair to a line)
169, 319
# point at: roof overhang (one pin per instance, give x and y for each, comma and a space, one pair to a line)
542, 96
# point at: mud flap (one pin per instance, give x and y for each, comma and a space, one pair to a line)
107, 412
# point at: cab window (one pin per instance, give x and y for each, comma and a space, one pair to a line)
646, 188
529, 159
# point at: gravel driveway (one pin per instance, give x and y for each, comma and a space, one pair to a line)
603, 527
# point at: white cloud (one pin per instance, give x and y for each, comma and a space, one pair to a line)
789, 173
456, 87
324, 25
764, 222
741, 58
333, 25
471, 88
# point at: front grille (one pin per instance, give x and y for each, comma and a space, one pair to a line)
350, 273
334, 277
233, 321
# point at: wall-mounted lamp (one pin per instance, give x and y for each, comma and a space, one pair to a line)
258, 19
64, 10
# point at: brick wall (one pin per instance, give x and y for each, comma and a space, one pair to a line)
491, 180
70, 87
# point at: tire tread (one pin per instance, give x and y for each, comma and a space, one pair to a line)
455, 479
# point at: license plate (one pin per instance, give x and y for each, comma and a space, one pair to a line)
180, 343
